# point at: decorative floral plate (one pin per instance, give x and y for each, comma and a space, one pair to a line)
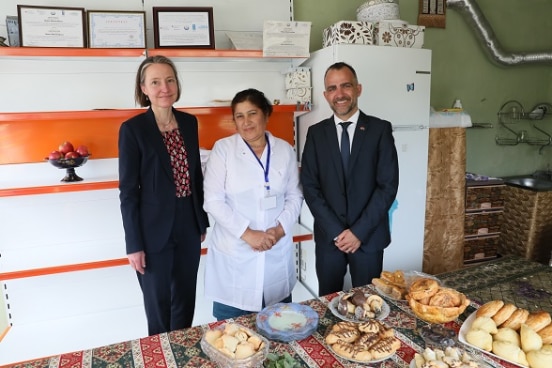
287, 321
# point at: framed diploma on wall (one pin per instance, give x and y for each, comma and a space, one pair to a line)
116, 29
183, 27
42, 26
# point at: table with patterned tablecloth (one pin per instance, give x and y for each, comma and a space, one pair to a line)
181, 348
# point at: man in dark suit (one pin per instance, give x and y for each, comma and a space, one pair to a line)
349, 187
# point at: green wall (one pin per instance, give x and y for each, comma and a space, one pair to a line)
462, 68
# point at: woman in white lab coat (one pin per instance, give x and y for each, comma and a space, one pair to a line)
253, 194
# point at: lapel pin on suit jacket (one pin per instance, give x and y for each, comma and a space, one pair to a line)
362, 127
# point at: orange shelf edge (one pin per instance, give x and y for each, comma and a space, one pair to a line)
70, 52
138, 52
61, 188
4, 276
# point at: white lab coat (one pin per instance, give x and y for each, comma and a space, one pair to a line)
235, 274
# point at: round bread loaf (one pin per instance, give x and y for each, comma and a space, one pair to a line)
530, 340
546, 334
510, 352
481, 339
489, 309
504, 313
540, 358
446, 298
538, 320
516, 319
485, 324
423, 288
507, 335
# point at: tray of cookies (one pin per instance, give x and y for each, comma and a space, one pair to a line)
512, 334
362, 342
358, 306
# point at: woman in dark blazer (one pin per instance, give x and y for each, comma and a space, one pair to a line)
161, 194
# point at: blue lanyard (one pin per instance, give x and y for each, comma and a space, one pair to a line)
267, 168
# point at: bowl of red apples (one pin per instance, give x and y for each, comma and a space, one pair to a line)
68, 157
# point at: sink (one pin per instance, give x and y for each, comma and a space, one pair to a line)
529, 182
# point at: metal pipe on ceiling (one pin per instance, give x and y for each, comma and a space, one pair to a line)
483, 30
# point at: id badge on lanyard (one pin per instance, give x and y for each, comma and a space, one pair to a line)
268, 201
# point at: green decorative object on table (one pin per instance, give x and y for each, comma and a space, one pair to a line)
280, 361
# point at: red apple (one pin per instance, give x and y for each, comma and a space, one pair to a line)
65, 148
55, 155
72, 154
82, 150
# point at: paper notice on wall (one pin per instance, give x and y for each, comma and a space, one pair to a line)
286, 38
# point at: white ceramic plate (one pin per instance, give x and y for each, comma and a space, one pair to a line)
333, 308
462, 338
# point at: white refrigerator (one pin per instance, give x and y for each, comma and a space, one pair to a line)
395, 87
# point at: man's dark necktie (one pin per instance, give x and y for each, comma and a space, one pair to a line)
345, 144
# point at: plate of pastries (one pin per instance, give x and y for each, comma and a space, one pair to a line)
358, 306
362, 342
450, 357
395, 284
434, 303
513, 334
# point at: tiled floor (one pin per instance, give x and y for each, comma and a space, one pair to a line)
61, 335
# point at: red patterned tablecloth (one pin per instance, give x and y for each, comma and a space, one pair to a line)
182, 348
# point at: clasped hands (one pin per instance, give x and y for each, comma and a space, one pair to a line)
261, 241
347, 241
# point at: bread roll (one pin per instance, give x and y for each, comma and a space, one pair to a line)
540, 358
489, 309
446, 298
510, 352
423, 288
231, 328
507, 335
530, 340
481, 339
244, 350
212, 335
485, 324
256, 341
538, 320
546, 334
516, 319
229, 342
504, 313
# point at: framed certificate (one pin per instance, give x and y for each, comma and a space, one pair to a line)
42, 26
183, 27
116, 29
12, 24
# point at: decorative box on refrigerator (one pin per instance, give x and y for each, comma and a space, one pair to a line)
395, 87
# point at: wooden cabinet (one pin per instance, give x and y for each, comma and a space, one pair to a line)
527, 226
483, 219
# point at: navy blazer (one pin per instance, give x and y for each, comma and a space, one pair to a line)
360, 203
146, 181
